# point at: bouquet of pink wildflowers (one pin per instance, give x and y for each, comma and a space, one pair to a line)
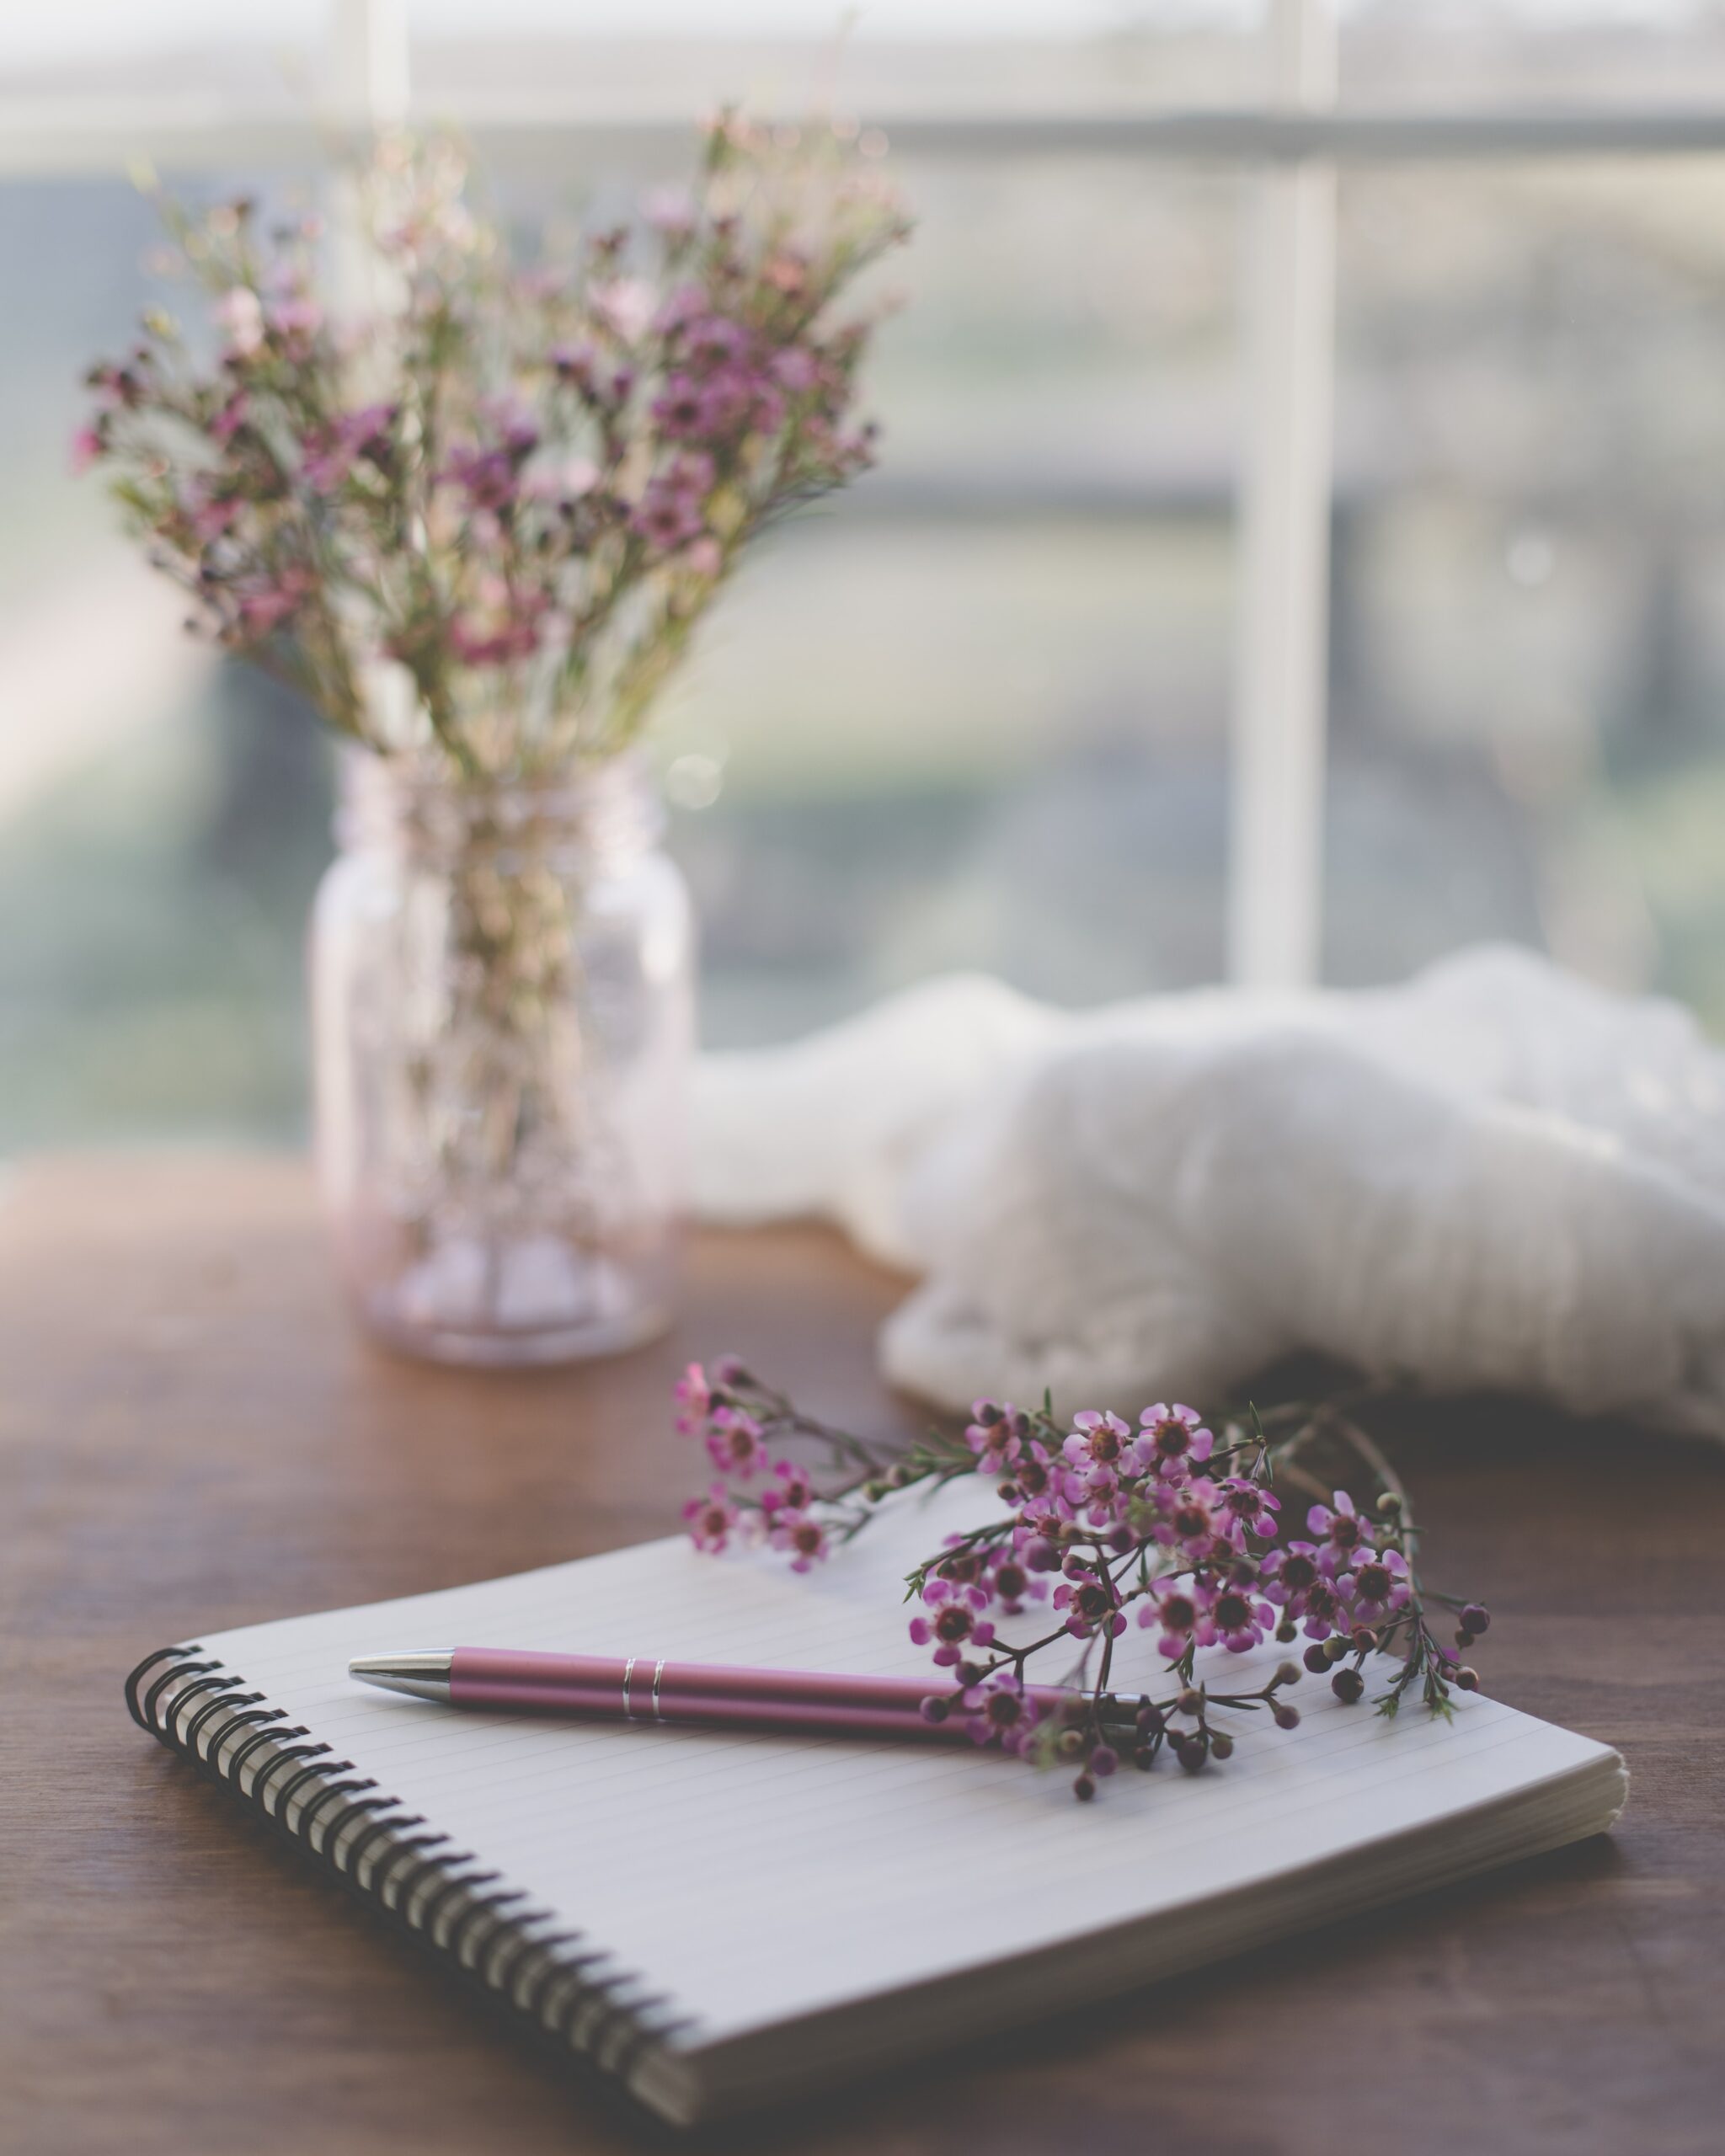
1167, 1525
482, 521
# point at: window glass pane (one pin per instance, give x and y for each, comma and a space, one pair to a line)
1426, 53
1528, 684
162, 820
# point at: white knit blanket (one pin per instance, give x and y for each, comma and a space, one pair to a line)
1494, 1177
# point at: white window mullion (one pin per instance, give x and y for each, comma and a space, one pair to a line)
1275, 866
365, 88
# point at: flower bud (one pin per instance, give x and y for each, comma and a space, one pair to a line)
1464, 1638
1365, 1638
934, 1711
1042, 1556
1222, 1745
1467, 1678
1283, 1715
1348, 1686
1190, 1701
1084, 1789
1149, 1718
1477, 1617
1287, 1673
1144, 1759
1336, 1647
1191, 1752
1317, 1657
1390, 1503
1287, 1631
1071, 1743
1103, 1761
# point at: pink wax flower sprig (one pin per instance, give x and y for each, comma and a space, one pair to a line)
1163, 1525
478, 517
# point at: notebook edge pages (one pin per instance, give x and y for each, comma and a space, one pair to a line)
729, 2083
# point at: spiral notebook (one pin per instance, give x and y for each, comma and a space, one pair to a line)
719, 1921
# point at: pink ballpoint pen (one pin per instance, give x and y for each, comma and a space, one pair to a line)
640, 1690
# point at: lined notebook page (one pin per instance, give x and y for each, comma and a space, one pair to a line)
756, 1877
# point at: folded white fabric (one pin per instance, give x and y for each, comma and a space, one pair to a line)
1495, 1176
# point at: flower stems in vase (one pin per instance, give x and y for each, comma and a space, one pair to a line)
479, 530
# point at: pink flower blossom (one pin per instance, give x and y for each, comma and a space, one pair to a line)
711, 1518
667, 519
794, 369
1011, 1582
999, 1712
352, 436
85, 448
1096, 1437
1293, 1578
787, 270
1179, 1605
994, 1434
490, 477
1342, 1531
804, 1538
1247, 1508
240, 313
792, 1488
713, 341
293, 322
1238, 1619
625, 306
694, 1396
1378, 1584
1173, 1439
952, 1624
1191, 1517
681, 407
734, 1443
1092, 1604
1034, 1476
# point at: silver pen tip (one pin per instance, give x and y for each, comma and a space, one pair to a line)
422, 1676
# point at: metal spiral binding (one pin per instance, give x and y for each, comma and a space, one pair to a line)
199, 1709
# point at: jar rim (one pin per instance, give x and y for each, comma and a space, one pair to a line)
611, 804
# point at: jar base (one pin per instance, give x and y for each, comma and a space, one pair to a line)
519, 1305
522, 1351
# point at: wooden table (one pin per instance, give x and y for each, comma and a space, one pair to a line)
195, 1438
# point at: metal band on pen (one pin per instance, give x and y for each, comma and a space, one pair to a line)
658, 1672
628, 1671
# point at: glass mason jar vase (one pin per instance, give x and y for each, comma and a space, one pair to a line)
502, 1022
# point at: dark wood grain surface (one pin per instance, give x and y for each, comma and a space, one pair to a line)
195, 1438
